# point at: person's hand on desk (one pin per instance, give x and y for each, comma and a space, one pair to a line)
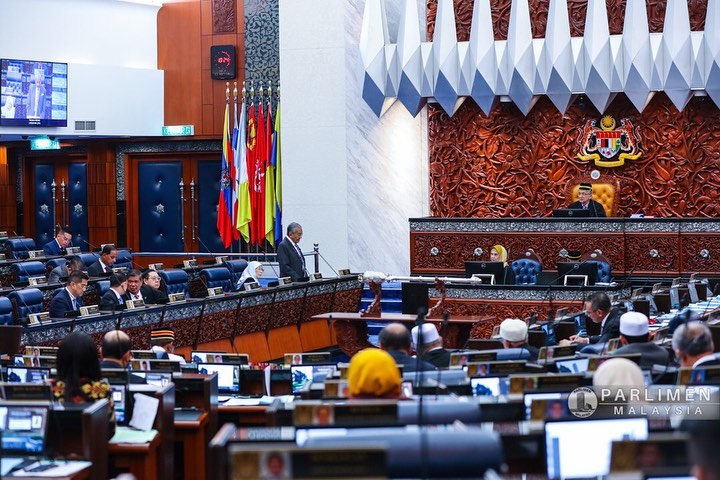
573, 339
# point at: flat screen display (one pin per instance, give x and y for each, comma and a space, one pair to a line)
33, 93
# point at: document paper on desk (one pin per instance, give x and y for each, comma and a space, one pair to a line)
144, 411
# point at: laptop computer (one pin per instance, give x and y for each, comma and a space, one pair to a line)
119, 395
304, 374
228, 376
24, 435
571, 212
21, 374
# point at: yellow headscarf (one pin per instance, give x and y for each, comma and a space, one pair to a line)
502, 253
374, 373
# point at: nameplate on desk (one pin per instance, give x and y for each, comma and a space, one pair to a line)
144, 354
37, 351
176, 297
284, 281
344, 271
316, 276
156, 266
72, 250
36, 253
484, 278
317, 413
119, 270
612, 345
236, 358
215, 291
574, 280
190, 263
221, 259
38, 318
3, 235
495, 368
103, 245
336, 389
26, 391
251, 286
133, 304
39, 280
35, 361
306, 358
89, 310
547, 353
2, 255
463, 358
529, 383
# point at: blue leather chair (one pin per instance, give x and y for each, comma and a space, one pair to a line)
124, 259
450, 454
604, 271
23, 270
26, 301
19, 247
103, 286
6, 311
217, 277
54, 263
89, 258
439, 412
526, 271
175, 281
236, 268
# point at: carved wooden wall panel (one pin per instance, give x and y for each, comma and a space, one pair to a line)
508, 165
224, 16
639, 260
691, 247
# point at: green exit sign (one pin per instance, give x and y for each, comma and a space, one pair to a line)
178, 130
44, 143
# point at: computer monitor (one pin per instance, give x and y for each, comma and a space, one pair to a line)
304, 374
228, 376
528, 398
486, 268
119, 393
572, 365
578, 268
159, 379
571, 212
24, 430
569, 458
18, 374
485, 386
198, 356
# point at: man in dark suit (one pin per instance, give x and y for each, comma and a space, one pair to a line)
103, 266
36, 97
585, 202
634, 333
59, 273
514, 334
115, 352
693, 346
150, 290
69, 298
57, 245
113, 298
133, 286
289, 255
598, 308
395, 340
431, 350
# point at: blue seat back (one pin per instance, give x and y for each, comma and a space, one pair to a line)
175, 280
54, 263
19, 247
26, 301
103, 286
217, 277
124, 259
6, 311
440, 412
526, 271
604, 271
23, 270
236, 268
89, 258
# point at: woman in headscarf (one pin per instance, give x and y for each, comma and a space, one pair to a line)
252, 273
374, 374
498, 253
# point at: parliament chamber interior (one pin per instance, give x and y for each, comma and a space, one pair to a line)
268, 239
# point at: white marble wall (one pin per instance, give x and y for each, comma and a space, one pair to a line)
350, 179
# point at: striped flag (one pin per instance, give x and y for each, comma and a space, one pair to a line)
270, 183
275, 159
224, 214
242, 214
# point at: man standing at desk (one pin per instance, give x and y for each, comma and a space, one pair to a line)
57, 246
289, 255
585, 202
69, 298
36, 96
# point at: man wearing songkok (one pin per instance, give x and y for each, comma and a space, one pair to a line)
585, 202
163, 344
374, 374
634, 335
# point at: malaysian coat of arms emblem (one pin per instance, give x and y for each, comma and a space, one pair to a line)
607, 145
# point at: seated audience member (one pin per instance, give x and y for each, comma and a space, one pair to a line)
72, 263
69, 298
598, 308
395, 340
163, 344
619, 375
116, 352
57, 245
693, 345
252, 273
585, 202
514, 334
104, 264
498, 253
634, 335
79, 379
374, 374
431, 350
150, 288
133, 286
113, 298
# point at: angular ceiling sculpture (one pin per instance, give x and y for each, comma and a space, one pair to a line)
521, 69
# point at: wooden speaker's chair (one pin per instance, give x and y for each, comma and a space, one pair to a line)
605, 191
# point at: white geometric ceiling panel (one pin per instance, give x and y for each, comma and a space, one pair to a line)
677, 61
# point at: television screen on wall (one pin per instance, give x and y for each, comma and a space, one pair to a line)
33, 93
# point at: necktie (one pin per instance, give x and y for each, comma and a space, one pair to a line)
297, 247
74, 304
585, 206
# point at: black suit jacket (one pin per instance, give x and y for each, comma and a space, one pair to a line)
611, 329
112, 365
109, 301
650, 354
408, 363
291, 265
595, 209
61, 303
438, 357
96, 270
152, 296
52, 248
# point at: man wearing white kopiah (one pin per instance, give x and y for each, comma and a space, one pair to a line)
514, 334
431, 349
634, 335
